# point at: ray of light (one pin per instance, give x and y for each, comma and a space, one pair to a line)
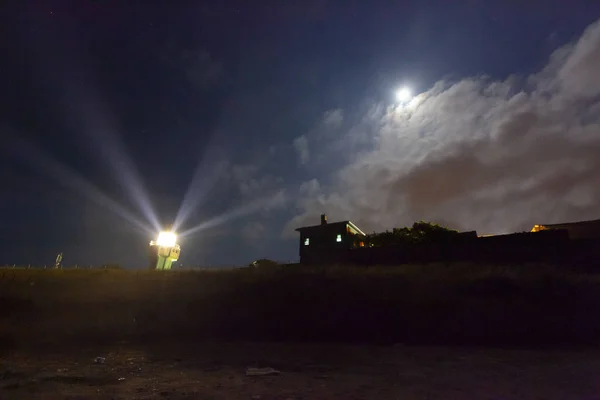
244, 210
203, 181
82, 109
39, 160
113, 152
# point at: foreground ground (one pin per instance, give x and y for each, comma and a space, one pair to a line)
448, 308
437, 304
308, 371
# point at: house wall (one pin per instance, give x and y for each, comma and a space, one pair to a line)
323, 246
586, 230
579, 255
548, 247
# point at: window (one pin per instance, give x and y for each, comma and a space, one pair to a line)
306, 241
339, 238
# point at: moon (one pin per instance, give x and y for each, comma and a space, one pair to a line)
403, 94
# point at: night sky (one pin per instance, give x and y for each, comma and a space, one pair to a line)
240, 121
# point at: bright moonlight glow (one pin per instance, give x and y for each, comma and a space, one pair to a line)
403, 95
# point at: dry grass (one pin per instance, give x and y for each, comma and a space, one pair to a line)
421, 304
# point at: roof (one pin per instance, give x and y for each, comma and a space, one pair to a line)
571, 224
305, 228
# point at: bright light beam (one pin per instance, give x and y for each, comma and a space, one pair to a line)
123, 169
68, 178
204, 179
254, 206
99, 126
78, 101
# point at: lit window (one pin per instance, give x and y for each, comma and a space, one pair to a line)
339, 238
306, 241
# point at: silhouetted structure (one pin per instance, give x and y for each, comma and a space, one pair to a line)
576, 230
323, 243
572, 245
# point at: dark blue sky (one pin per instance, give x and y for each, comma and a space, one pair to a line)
97, 94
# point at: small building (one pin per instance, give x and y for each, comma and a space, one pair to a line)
576, 230
328, 242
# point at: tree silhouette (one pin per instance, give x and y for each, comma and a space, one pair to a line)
420, 232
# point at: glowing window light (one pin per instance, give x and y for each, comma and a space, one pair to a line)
306, 241
339, 238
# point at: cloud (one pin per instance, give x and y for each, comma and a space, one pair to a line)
333, 118
495, 156
253, 232
198, 66
301, 146
256, 191
579, 74
261, 186
243, 172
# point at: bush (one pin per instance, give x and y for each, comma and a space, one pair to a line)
420, 232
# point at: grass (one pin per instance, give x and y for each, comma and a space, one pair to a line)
527, 305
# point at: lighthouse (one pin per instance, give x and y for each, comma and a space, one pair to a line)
164, 251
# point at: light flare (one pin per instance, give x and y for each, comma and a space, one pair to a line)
166, 239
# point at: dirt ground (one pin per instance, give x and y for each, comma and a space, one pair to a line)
218, 371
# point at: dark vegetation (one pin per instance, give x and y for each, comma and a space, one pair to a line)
524, 305
420, 232
426, 243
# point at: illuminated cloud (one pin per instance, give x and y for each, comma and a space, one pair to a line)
333, 118
301, 146
579, 73
495, 156
251, 184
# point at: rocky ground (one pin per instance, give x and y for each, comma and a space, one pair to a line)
175, 370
